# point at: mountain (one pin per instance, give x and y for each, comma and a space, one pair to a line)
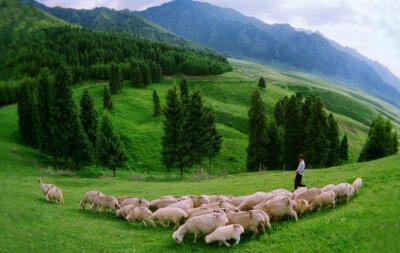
239, 36
124, 21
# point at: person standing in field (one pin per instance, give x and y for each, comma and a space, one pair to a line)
299, 173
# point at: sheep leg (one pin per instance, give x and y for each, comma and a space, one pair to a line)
220, 244
47, 197
226, 243
176, 226
294, 214
163, 224
255, 233
262, 228
195, 237
152, 223
237, 240
83, 203
144, 223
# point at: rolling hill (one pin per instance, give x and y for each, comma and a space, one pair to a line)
239, 36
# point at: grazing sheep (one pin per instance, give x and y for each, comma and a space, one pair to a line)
45, 187
136, 202
212, 210
124, 211
225, 233
343, 191
56, 194
161, 203
203, 224
324, 199
328, 187
236, 201
168, 214
200, 200
250, 220
122, 199
142, 214
300, 190
308, 195
265, 217
281, 192
89, 197
357, 185
300, 206
185, 205
216, 198
221, 204
193, 211
277, 208
250, 201
106, 202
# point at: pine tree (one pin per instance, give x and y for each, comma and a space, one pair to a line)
184, 91
333, 141
261, 83
155, 70
274, 147
395, 143
214, 138
28, 118
258, 139
146, 74
136, 76
110, 150
107, 102
174, 146
279, 111
115, 79
344, 149
88, 117
45, 96
156, 105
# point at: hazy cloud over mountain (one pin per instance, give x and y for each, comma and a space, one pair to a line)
370, 26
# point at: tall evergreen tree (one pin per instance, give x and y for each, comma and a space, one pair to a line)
274, 147
107, 102
174, 146
88, 116
45, 96
333, 141
136, 75
214, 138
258, 138
28, 118
184, 91
395, 143
110, 150
146, 74
155, 70
115, 78
261, 83
156, 105
344, 149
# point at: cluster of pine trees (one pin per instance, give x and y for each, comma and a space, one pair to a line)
89, 55
8, 92
300, 126
190, 133
49, 119
382, 140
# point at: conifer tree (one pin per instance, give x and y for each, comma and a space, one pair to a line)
184, 91
333, 142
156, 105
155, 70
88, 116
146, 74
344, 149
107, 102
395, 143
110, 150
258, 138
136, 75
174, 146
115, 79
45, 96
28, 118
261, 83
274, 147
214, 138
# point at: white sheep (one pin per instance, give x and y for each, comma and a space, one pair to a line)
281, 192
236, 201
212, 210
193, 211
122, 199
198, 225
89, 197
308, 195
45, 187
124, 211
200, 200
250, 201
300, 206
136, 202
167, 214
161, 203
142, 214
185, 205
343, 191
324, 199
250, 220
356, 185
328, 187
106, 202
221, 204
277, 208
300, 190
225, 233
56, 194
216, 198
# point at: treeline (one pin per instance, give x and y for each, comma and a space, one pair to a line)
300, 126
190, 133
89, 54
8, 92
49, 119
382, 140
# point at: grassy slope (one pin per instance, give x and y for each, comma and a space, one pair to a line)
369, 223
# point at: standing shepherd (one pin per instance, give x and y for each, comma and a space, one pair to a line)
299, 172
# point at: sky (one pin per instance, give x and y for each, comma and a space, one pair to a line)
372, 27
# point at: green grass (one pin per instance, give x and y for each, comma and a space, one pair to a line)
368, 223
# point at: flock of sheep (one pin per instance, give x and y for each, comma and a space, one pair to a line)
219, 217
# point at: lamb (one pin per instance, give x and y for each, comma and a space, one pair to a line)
225, 233
324, 199
124, 211
89, 197
278, 208
203, 224
308, 195
56, 194
45, 187
142, 214
161, 203
343, 191
200, 200
136, 202
357, 185
107, 202
300, 206
250, 220
328, 187
250, 201
168, 214
185, 205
